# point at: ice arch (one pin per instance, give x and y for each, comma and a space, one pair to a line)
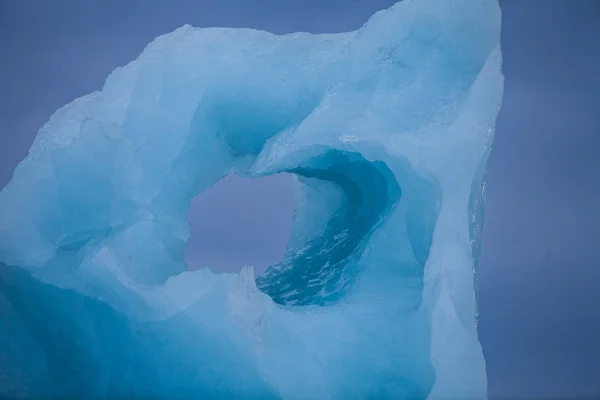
387, 129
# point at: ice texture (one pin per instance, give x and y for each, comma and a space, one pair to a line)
387, 130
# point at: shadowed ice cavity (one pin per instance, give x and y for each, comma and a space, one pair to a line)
318, 271
386, 130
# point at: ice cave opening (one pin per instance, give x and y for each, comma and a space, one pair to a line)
240, 221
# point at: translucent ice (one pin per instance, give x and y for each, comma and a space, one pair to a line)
387, 130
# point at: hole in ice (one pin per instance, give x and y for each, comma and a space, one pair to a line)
240, 221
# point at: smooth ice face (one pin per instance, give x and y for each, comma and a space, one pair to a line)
387, 130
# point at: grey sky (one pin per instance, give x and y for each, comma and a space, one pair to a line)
540, 268
540, 315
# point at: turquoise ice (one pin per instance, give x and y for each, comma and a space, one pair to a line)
387, 130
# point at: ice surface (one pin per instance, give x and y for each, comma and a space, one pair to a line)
387, 130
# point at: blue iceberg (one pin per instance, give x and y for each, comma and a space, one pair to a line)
386, 129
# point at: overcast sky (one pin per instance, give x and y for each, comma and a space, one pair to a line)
540, 268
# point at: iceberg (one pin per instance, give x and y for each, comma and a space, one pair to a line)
386, 130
